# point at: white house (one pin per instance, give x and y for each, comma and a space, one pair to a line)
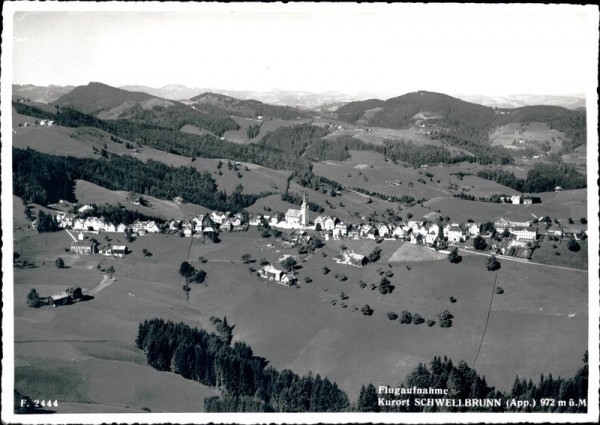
455, 233
109, 227
152, 227
340, 231
516, 199
279, 276
524, 234
326, 222
218, 217
383, 230
400, 231
474, 229
188, 229
85, 208
121, 228
78, 224
93, 223
139, 226
431, 238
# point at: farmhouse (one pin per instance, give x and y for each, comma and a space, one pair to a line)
351, 258
82, 247
299, 217
524, 234
279, 276
501, 224
118, 251
556, 231
218, 217
69, 296
188, 229
121, 228
109, 227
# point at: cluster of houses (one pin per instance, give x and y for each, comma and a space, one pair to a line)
428, 233
43, 123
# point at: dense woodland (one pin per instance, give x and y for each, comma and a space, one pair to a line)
542, 178
247, 384
44, 179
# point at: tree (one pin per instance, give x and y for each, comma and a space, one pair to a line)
445, 319
366, 310
247, 258
453, 257
367, 399
493, 264
385, 286
60, 263
318, 227
573, 245
479, 243
391, 315
110, 270
417, 319
186, 270
146, 253
288, 263
405, 317
34, 300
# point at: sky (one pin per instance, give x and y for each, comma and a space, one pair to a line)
380, 49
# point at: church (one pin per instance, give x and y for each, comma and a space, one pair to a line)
298, 218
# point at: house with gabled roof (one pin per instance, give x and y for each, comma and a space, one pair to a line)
351, 258
276, 275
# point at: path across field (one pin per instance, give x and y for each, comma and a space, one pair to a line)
106, 282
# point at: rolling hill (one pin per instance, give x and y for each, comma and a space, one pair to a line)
246, 108
98, 97
446, 116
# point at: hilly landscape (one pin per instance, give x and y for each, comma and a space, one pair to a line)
186, 322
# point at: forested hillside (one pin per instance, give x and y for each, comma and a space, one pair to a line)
44, 179
247, 384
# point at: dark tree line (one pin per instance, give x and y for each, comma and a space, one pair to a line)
246, 383
42, 179
541, 178
46, 223
464, 382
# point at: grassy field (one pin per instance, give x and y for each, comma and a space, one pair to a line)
90, 345
87, 192
531, 135
547, 254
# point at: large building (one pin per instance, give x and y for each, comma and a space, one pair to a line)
83, 247
294, 217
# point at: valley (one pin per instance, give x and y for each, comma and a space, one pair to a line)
369, 191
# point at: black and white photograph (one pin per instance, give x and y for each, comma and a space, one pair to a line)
299, 213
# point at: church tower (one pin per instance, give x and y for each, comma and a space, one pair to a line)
304, 210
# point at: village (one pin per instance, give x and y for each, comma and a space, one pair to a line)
501, 237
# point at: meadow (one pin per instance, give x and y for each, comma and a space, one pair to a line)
90, 345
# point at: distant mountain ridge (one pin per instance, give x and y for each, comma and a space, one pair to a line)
40, 94
97, 97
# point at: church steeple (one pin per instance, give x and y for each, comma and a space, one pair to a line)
304, 209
